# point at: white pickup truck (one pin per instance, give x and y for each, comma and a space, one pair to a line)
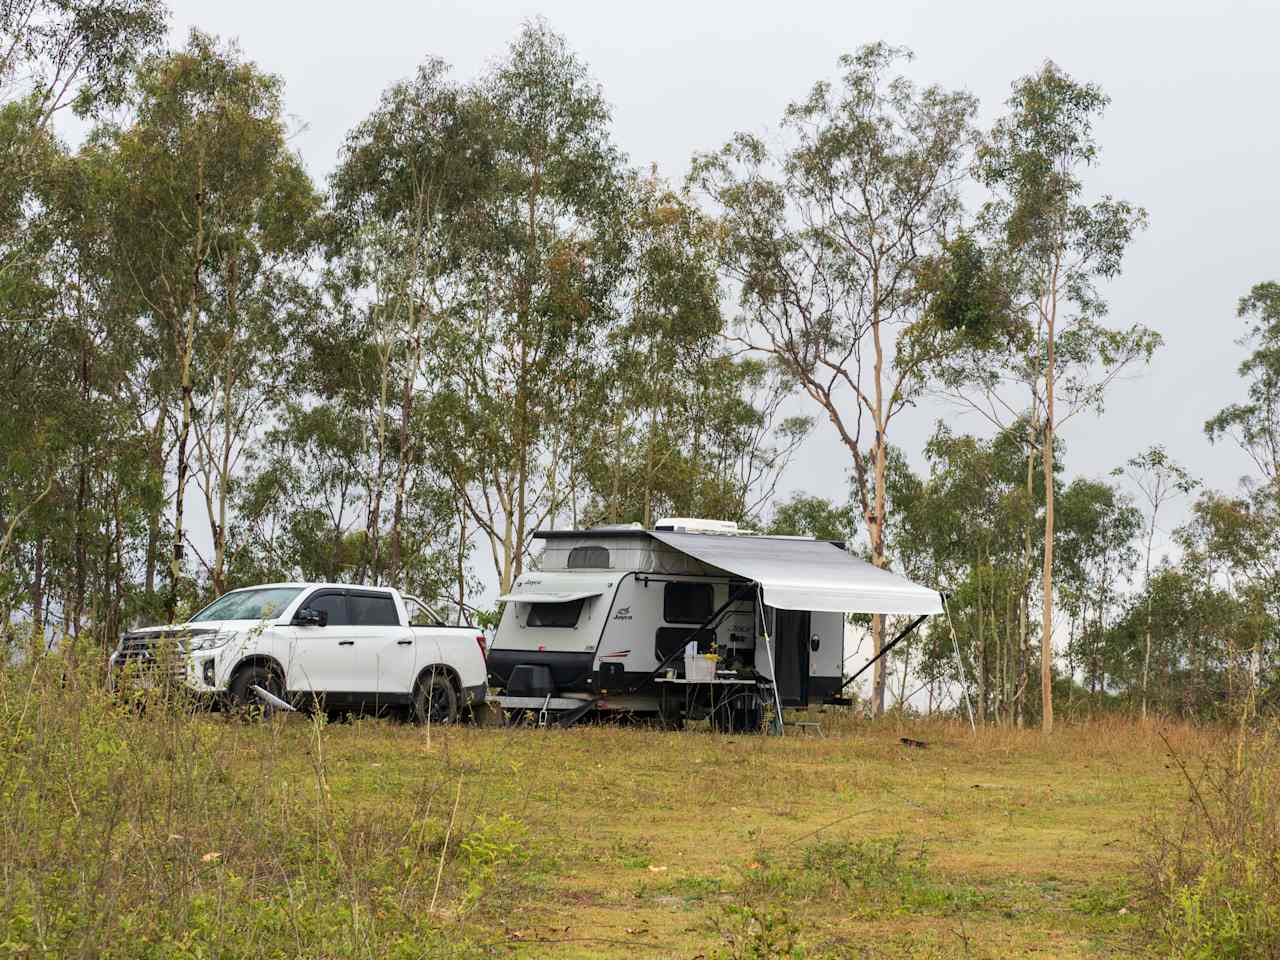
335, 645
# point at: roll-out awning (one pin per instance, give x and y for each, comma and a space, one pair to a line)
797, 574
520, 596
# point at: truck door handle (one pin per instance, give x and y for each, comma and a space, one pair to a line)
404, 643
346, 643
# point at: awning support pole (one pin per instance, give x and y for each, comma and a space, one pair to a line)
964, 681
773, 663
734, 596
886, 648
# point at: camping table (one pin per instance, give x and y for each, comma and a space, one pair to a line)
692, 688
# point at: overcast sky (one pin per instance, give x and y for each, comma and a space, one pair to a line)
1192, 135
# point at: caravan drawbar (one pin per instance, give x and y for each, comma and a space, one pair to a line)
689, 620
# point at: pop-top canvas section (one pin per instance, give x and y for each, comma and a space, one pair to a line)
639, 554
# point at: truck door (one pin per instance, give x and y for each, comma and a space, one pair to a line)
323, 658
385, 650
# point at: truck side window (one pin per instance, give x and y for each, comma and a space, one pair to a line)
420, 615
335, 604
687, 602
373, 610
555, 614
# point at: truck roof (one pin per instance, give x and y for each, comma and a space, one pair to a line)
305, 585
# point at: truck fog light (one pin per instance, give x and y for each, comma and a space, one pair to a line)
209, 666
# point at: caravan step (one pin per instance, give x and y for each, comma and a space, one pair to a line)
540, 703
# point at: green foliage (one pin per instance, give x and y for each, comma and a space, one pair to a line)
78, 53
873, 875
1213, 871
754, 933
130, 831
966, 293
807, 516
1255, 424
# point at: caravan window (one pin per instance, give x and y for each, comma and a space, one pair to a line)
687, 602
555, 614
584, 558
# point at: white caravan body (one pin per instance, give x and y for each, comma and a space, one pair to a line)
610, 611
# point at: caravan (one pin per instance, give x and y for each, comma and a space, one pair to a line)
693, 619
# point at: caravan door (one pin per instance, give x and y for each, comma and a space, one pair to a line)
791, 635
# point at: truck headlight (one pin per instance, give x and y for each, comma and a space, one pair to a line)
210, 641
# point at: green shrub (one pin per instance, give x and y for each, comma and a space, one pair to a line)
871, 874
748, 933
1214, 870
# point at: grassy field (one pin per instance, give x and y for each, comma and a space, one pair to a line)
649, 844
166, 833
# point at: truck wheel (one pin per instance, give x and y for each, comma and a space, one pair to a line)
435, 700
243, 700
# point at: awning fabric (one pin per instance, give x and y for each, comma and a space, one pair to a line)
800, 574
520, 596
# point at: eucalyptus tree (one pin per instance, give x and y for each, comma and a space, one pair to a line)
680, 425
805, 515
406, 196
74, 54
1231, 544
1241, 531
1160, 479
212, 195
825, 241
1255, 424
544, 260
1049, 246
1099, 527
963, 524
55, 56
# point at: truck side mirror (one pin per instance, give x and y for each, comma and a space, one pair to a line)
307, 617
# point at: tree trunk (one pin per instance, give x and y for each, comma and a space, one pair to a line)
224, 467
522, 383
402, 471
82, 497
1046, 639
372, 563
155, 456
1146, 585
980, 651
185, 347
462, 561
37, 592
184, 433
876, 530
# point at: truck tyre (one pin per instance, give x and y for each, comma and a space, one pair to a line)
243, 700
435, 700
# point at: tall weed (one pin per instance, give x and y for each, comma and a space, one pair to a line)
1213, 870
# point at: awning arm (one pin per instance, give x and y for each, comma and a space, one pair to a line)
734, 596
886, 648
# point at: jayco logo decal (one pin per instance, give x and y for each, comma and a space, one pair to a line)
623, 614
